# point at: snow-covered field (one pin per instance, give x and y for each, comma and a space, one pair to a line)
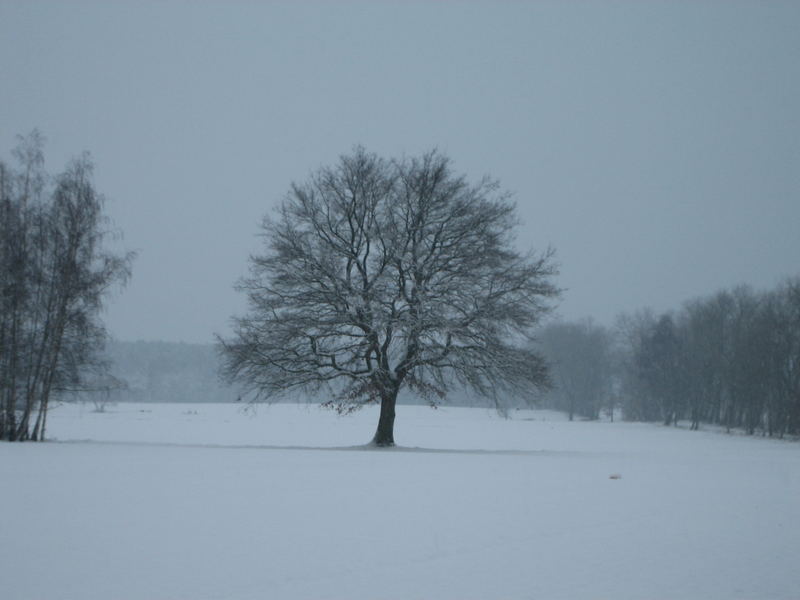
203, 501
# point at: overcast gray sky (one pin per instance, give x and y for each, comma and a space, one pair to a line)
655, 145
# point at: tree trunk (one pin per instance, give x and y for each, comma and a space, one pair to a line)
384, 435
37, 426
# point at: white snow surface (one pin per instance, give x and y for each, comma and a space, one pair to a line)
204, 501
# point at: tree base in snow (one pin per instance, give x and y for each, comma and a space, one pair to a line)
382, 443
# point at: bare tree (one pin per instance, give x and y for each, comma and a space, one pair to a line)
54, 276
383, 274
786, 359
580, 359
632, 333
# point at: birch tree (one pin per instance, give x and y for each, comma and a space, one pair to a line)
54, 275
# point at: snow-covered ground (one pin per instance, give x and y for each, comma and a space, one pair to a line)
204, 501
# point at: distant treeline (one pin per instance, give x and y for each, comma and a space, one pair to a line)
730, 359
179, 372
162, 372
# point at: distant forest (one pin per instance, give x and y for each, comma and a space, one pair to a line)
179, 372
161, 372
731, 359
